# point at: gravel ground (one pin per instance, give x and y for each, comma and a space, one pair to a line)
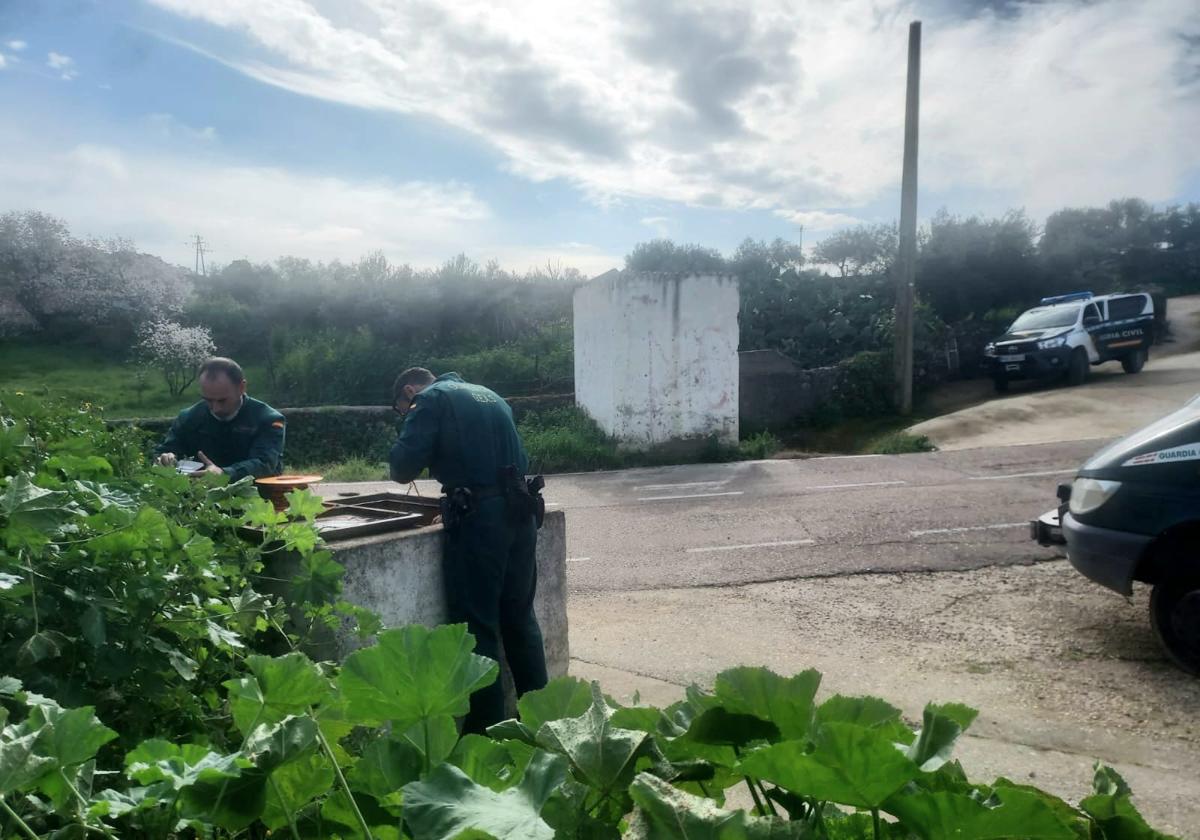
1063, 671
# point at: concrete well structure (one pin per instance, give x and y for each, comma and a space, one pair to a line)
656, 357
398, 576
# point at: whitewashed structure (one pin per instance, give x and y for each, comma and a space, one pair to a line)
656, 357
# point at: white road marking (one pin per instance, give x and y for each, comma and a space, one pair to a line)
840, 457
692, 496
682, 484
1018, 475
971, 528
578, 559
750, 545
860, 484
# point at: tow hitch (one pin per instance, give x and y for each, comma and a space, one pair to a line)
1047, 528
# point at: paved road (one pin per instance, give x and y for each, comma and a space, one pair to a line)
730, 524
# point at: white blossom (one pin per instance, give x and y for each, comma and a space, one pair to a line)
175, 351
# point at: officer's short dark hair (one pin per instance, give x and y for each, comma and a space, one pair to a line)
220, 364
412, 376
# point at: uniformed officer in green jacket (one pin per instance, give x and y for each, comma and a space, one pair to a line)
228, 431
465, 435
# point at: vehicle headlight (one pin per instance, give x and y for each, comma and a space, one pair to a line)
1051, 343
1087, 494
989, 349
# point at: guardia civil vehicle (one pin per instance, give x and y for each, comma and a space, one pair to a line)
1133, 514
1067, 334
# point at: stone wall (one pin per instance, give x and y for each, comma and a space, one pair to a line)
775, 392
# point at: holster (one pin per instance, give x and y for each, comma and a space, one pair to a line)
456, 506
523, 495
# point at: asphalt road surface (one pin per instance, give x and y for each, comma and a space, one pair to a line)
754, 521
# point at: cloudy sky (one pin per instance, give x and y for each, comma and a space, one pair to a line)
535, 130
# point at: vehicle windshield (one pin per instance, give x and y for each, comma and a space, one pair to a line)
1045, 319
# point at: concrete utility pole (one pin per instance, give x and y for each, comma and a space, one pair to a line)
907, 264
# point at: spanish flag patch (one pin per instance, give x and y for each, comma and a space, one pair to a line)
278, 424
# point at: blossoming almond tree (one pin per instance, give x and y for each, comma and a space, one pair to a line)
175, 351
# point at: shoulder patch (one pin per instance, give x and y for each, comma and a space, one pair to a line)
278, 424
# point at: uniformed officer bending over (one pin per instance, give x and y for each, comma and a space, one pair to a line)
228, 431
465, 435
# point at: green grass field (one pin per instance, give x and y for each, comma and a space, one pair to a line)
80, 374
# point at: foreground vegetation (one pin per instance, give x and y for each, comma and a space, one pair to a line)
157, 683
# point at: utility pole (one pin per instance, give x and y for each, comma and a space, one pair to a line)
906, 267
201, 246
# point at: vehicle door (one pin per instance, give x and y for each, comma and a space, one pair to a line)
1129, 325
1093, 324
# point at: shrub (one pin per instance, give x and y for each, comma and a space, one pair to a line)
899, 443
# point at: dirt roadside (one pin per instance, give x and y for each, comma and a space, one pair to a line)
1063, 672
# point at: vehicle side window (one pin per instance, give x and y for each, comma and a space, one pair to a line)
1129, 306
1091, 315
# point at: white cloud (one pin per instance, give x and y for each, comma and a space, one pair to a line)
256, 212
661, 225
16, 46
778, 105
168, 126
3, 62
64, 64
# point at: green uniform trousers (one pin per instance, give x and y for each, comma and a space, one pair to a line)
490, 575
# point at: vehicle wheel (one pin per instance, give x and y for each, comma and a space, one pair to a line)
1001, 384
1077, 368
1134, 361
1175, 616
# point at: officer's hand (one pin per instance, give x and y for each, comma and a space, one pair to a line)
167, 459
209, 466
437, 520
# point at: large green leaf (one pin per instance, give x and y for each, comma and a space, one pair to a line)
69, 736
1118, 818
385, 767
851, 765
720, 727
448, 803
279, 686
229, 803
434, 738
19, 765
292, 787
565, 697
413, 673
272, 745
934, 816
870, 712
33, 511
179, 767
666, 813
602, 755
339, 821
1108, 781
785, 702
490, 763
941, 728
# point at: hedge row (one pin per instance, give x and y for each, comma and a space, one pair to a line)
331, 434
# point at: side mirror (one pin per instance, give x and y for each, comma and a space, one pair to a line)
1091, 320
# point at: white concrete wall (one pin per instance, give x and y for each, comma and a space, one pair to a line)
399, 577
656, 356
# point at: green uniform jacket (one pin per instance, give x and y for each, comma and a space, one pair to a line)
463, 433
249, 444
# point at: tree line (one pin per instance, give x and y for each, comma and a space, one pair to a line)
337, 331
